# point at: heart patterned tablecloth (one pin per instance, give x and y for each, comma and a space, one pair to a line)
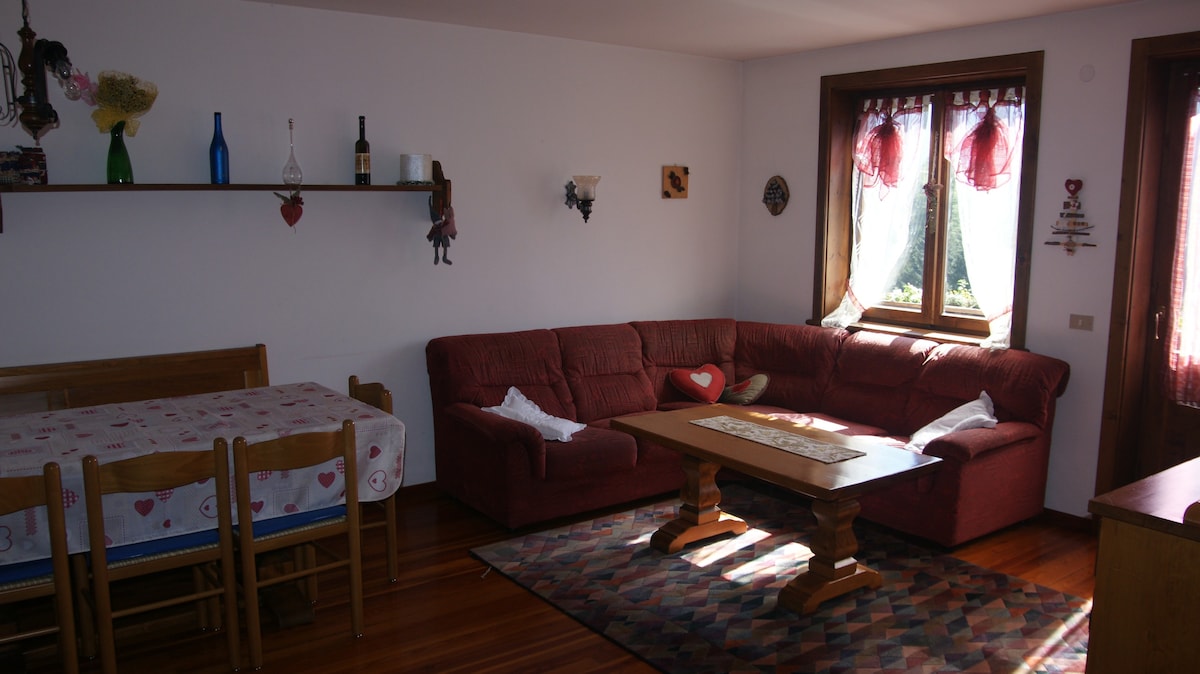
118, 431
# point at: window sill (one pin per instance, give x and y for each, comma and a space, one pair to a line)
920, 333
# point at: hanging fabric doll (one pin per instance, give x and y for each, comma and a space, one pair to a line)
442, 231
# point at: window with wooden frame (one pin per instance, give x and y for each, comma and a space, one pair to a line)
926, 198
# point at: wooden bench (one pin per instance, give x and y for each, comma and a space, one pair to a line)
52, 386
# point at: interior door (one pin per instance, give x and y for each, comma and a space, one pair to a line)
1170, 430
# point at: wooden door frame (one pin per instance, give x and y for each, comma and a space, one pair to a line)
1130, 326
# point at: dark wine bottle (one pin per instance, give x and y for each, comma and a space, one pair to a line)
362, 155
218, 154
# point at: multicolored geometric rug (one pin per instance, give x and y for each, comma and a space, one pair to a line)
711, 607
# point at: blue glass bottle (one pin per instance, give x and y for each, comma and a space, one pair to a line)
218, 155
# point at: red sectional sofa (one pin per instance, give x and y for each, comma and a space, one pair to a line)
865, 383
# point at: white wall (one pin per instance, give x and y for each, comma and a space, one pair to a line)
511, 117
1082, 136
353, 289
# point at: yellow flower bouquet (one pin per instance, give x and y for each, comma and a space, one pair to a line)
121, 97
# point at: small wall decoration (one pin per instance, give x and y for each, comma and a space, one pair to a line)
1071, 222
776, 195
674, 182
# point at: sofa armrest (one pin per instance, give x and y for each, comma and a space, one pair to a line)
495, 431
965, 445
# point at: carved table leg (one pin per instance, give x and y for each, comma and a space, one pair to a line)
700, 515
832, 570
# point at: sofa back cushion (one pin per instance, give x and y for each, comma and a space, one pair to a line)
603, 369
798, 359
873, 378
478, 369
668, 345
1023, 386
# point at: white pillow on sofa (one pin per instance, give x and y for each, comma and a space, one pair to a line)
975, 414
519, 408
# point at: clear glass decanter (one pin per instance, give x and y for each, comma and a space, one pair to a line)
292, 175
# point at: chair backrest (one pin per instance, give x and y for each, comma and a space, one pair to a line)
371, 393
151, 473
22, 493
292, 452
154, 472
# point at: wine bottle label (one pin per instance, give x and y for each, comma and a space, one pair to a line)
362, 162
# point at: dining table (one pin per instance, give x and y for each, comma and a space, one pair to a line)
118, 431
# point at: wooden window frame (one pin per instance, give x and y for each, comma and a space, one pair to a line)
834, 237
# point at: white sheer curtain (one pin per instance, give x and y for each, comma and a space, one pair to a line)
891, 165
1183, 334
984, 151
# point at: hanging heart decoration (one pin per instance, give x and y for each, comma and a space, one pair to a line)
292, 208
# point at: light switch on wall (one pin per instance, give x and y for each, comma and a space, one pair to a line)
1080, 322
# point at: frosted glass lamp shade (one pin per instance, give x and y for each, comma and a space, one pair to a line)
585, 187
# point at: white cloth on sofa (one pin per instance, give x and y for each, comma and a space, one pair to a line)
975, 414
519, 408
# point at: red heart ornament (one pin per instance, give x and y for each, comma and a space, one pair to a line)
325, 479
291, 214
704, 384
1073, 186
144, 507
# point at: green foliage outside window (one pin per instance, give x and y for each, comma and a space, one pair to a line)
908, 288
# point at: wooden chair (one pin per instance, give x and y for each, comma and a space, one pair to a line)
376, 395
202, 552
291, 453
33, 580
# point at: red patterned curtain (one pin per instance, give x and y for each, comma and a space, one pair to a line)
1183, 333
879, 140
982, 156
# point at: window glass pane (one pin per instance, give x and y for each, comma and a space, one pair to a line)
959, 300
986, 129
892, 151
909, 287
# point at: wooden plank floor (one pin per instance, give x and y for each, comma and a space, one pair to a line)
445, 614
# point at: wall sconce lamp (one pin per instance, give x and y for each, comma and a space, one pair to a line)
37, 115
581, 191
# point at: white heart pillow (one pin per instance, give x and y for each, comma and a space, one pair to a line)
519, 408
975, 414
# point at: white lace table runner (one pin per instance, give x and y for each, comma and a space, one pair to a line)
773, 437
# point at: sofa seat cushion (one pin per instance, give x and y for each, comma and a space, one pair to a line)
591, 452
678, 405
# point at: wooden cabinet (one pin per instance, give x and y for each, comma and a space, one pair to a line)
1146, 609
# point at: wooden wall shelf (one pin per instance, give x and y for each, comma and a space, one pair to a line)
440, 187
198, 187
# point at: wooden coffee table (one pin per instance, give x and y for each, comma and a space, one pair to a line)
833, 487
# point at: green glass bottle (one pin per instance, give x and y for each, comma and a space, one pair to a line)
120, 170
